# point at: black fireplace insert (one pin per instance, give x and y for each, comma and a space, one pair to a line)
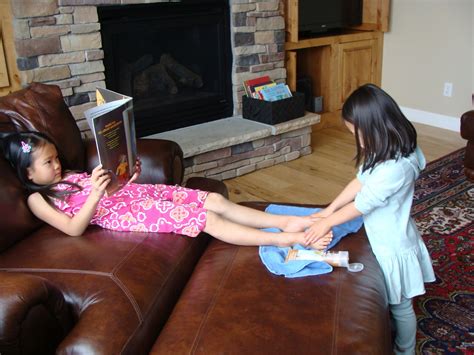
173, 58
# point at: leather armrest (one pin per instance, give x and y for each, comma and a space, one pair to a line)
34, 316
162, 161
467, 125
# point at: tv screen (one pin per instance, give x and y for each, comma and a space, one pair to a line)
320, 16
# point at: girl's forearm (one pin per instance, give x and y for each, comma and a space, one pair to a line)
346, 196
344, 214
82, 219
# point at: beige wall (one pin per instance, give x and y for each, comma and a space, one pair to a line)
430, 42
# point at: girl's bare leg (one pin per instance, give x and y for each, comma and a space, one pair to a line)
234, 233
254, 218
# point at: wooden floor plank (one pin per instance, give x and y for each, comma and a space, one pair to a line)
320, 176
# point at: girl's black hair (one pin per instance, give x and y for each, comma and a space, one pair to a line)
15, 149
379, 124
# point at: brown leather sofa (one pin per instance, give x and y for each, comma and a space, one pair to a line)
467, 132
108, 292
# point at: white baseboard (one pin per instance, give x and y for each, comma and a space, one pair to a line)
432, 119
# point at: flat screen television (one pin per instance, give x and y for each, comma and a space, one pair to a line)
317, 17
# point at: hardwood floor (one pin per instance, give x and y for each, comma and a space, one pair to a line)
318, 178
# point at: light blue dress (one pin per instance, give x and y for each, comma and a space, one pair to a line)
385, 201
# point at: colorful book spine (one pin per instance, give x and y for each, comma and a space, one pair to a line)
249, 85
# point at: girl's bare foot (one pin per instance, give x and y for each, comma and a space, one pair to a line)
322, 243
298, 224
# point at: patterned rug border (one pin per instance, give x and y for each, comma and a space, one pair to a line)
424, 199
443, 209
437, 160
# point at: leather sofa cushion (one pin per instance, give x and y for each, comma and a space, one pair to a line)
16, 219
120, 287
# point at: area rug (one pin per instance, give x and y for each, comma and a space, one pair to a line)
443, 210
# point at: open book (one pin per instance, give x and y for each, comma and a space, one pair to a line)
113, 125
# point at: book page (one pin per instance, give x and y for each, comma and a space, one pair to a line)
104, 108
105, 95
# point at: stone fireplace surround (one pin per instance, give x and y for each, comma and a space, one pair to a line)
59, 42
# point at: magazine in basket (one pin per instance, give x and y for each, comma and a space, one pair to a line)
113, 125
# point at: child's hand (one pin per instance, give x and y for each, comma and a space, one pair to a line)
138, 170
100, 178
318, 230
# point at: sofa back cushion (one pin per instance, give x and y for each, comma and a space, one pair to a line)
16, 220
39, 107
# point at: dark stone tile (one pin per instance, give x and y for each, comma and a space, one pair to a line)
27, 63
241, 69
279, 37
242, 148
240, 19
244, 39
246, 60
77, 99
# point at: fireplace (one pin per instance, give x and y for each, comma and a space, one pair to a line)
173, 58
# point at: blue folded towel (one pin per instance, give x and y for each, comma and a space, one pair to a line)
274, 257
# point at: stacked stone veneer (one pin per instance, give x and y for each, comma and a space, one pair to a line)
244, 158
59, 42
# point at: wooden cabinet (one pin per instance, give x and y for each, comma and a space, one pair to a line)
9, 75
358, 64
337, 64
4, 80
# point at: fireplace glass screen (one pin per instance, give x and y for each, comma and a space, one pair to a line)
173, 58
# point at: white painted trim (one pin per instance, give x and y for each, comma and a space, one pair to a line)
432, 119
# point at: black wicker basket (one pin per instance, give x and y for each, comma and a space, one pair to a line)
273, 112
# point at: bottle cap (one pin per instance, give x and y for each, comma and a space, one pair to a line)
355, 267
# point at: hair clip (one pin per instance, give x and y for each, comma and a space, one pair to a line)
25, 147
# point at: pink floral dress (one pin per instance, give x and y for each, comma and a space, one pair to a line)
140, 207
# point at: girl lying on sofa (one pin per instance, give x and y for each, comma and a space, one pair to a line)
70, 201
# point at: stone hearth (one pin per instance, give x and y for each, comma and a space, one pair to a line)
235, 146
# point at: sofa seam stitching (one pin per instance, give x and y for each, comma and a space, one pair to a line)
159, 291
122, 286
213, 301
336, 317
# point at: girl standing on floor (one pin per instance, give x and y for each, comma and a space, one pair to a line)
382, 192
71, 201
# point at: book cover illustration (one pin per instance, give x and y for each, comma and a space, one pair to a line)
258, 89
113, 125
276, 92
